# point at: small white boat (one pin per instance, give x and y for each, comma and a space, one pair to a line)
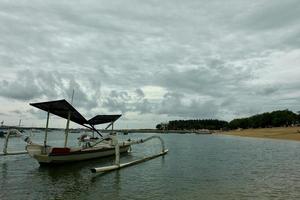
58, 155
88, 148
11, 133
2, 133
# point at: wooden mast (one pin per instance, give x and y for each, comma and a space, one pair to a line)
68, 122
67, 129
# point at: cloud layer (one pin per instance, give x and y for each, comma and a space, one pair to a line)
151, 60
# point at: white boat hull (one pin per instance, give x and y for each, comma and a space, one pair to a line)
36, 151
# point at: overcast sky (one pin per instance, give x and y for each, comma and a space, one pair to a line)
152, 61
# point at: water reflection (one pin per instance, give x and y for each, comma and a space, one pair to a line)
115, 183
3, 175
206, 167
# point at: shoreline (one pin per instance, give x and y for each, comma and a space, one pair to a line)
282, 133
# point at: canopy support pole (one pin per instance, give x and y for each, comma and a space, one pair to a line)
108, 126
96, 130
46, 130
92, 127
67, 129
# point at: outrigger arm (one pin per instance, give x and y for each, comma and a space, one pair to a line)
119, 165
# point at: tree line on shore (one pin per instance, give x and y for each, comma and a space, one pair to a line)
277, 118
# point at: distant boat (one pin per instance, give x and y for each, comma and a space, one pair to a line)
16, 133
74, 131
125, 132
2, 133
33, 130
13, 133
203, 131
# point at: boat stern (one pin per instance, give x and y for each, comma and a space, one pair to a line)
36, 149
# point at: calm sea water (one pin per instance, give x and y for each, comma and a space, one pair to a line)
196, 167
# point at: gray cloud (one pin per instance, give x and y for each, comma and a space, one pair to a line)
36, 113
41, 84
276, 15
140, 93
124, 102
267, 90
214, 81
207, 59
173, 105
23, 88
4, 114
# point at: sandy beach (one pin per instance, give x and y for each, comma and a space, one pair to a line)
285, 133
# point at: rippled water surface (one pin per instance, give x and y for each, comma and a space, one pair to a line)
196, 167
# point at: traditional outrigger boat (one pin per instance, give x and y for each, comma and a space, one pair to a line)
88, 149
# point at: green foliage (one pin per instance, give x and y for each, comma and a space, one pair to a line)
211, 124
162, 126
265, 120
159, 126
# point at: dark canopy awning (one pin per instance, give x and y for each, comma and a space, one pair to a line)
102, 119
61, 108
